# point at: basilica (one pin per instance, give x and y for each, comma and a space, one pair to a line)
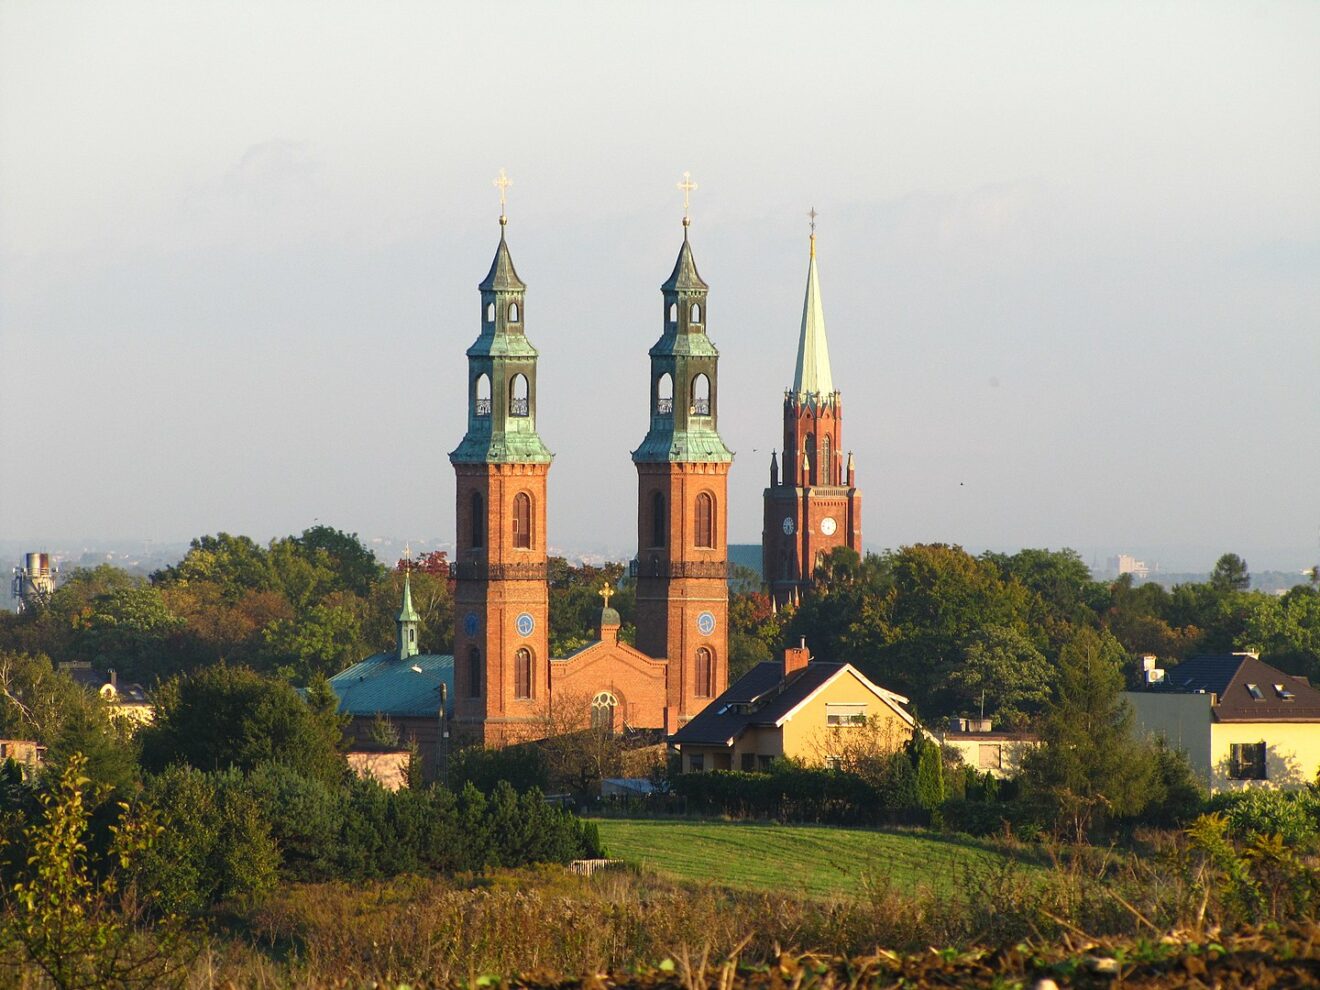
501, 685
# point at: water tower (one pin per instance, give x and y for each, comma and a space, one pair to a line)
34, 581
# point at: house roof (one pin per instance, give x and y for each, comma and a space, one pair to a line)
382, 684
764, 697
1246, 689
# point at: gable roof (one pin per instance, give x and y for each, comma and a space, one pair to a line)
382, 684
1278, 697
764, 697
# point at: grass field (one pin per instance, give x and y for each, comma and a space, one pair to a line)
810, 859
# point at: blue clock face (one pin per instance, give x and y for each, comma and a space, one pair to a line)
471, 623
705, 623
524, 624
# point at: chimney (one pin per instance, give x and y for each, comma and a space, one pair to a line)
114, 680
796, 657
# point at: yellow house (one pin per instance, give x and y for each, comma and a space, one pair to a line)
800, 708
1241, 722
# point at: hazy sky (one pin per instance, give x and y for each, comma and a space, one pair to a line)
1069, 253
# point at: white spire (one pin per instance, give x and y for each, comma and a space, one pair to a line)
813, 359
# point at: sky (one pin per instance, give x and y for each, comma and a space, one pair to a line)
1069, 256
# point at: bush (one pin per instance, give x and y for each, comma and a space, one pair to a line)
1295, 816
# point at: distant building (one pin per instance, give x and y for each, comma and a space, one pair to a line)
1127, 564
126, 700
1241, 722
799, 708
34, 582
981, 748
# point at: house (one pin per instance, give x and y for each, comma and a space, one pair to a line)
982, 748
801, 708
1241, 722
27, 753
126, 700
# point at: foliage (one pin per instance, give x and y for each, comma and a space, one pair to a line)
575, 603
929, 773
1292, 815
1230, 574
1002, 669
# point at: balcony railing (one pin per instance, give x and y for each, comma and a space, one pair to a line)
518, 407
479, 570
665, 406
679, 569
483, 407
700, 407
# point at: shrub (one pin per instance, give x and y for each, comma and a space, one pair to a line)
1295, 816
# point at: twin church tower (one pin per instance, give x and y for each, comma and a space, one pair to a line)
506, 685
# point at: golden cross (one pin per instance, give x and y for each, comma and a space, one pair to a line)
687, 185
407, 557
605, 592
502, 183
813, 215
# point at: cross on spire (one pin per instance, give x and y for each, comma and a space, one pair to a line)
687, 185
407, 557
812, 215
606, 592
502, 183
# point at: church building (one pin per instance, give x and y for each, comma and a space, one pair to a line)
813, 504
506, 685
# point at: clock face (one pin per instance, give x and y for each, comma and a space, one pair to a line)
788, 526
525, 624
471, 623
827, 526
705, 623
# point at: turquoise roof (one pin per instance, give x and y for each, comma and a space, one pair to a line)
382, 684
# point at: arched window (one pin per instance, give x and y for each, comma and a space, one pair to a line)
705, 521
826, 461
513, 312
518, 404
478, 521
482, 393
474, 672
522, 521
809, 449
700, 396
658, 520
703, 688
673, 312
696, 313
490, 312
602, 712
522, 673
412, 634
664, 395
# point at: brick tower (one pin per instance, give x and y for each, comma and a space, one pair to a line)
682, 480
501, 603
815, 505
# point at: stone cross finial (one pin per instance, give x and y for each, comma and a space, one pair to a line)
606, 592
502, 183
687, 185
407, 557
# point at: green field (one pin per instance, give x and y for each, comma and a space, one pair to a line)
811, 859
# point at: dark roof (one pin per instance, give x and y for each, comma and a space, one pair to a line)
764, 688
383, 684
82, 674
684, 277
502, 275
1277, 697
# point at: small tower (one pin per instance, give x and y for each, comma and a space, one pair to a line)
815, 506
682, 475
34, 582
407, 622
501, 601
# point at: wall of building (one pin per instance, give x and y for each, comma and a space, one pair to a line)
1292, 753
807, 736
637, 682
1181, 720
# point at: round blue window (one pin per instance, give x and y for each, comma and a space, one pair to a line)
471, 623
705, 623
524, 624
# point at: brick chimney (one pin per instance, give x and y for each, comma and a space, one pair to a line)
796, 657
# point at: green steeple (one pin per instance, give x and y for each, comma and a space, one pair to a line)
501, 374
684, 374
407, 622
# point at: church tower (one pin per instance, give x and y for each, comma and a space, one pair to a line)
682, 482
812, 504
501, 603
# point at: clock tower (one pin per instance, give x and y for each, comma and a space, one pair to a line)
682, 481
501, 600
812, 504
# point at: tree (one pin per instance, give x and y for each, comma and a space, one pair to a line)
355, 567
1230, 574
1003, 670
222, 716
235, 563
132, 631
1089, 767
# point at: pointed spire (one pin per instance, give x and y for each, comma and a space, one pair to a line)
502, 277
408, 613
813, 360
684, 277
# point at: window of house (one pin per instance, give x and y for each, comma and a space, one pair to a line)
478, 536
833, 763
705, 521
522, 521
748, 762
1283, 693
839, 714
763, 762
697, 762
522, 673
657, 519
989, 756
704, 671
1255, 692
474, 672
1246, 761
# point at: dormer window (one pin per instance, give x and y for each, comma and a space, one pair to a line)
1255, 692
1283, 693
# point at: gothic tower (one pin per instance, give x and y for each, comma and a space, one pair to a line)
501, 604
812, 504
682, 481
